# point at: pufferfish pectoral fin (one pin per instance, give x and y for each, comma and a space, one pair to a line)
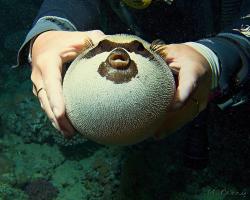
159, 46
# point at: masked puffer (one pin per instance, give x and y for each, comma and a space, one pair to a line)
118, 91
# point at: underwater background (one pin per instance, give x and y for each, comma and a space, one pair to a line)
37, 163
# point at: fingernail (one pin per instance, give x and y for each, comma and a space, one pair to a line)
41, 104
54, 124
184, 94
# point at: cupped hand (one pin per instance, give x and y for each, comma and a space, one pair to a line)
50, 51
191, 68
193, 85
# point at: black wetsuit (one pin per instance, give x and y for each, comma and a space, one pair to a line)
180, 22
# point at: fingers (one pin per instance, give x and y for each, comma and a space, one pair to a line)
52, 79
42, 96
184, 91
187, 65
84, 40
70, 55
38, 85
50, 51
175, 68
51, 96
187, 81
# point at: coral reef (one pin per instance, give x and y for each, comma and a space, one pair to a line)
94, 178
24, 163
32, 126
7, 192
41, 189
6, 165
65, 142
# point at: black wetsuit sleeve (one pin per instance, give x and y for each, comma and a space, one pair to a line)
68, 15
232, 46
84, 14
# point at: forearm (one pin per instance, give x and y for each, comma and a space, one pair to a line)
232, 48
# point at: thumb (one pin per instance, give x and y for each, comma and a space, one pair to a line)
72, 52
69, 56
95, 35
187, 84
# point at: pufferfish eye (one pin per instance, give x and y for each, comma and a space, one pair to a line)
137, 46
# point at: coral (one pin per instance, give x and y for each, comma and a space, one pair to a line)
20, 112
34, 161
101, 178
74, 141
93, 178
41, 189
6, 165
33, 126
66, 178
9, 193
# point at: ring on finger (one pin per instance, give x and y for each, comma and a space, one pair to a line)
38, 90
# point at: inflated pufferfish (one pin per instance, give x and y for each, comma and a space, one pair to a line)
118, 91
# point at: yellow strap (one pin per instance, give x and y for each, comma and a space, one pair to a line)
137, 4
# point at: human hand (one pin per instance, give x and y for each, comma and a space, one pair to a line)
50, 51
193, 85
191, 68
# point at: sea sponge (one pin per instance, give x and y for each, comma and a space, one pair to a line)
118, 91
